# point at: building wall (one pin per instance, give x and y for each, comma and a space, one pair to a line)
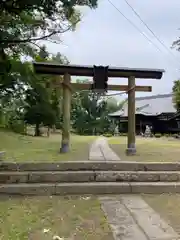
158, 126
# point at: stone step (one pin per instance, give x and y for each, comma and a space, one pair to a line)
88, 176
90, 165
96, 188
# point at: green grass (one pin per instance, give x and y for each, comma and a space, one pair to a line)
27, 148
168, 206
148, 149
42, 218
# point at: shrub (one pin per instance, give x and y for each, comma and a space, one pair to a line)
166, 135
107, 135
176, 135
17, 126
124, 134
158, 135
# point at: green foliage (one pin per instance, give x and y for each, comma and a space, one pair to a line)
40, 114
22, 25
17, 126
42, 97
90, 114
158, 135
176, 94
24, 22
29, 98
107, 135
123, 134
113, 105
38, 109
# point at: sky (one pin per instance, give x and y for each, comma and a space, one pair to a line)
105, 37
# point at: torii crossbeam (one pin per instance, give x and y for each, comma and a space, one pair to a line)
74, 70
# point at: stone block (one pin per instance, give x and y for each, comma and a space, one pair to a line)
170, 176
121, 221
64, 176
157, 166
131, 218
145, 177
27, 189
155, 187
127, 176
151, 166
13, 177
152, 224
39, 166
133, 176
92, 188
8, 166
89, 165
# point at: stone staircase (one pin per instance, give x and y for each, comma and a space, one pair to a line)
90, 177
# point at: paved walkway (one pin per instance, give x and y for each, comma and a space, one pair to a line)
100, 150
129, 216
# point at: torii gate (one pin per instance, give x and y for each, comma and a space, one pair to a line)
100, 76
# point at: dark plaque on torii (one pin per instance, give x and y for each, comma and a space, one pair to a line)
100, 78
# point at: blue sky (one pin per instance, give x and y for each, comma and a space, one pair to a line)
104, 37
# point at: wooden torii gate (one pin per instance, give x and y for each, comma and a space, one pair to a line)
100, 75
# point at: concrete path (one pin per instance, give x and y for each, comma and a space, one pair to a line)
129, 216
100, 150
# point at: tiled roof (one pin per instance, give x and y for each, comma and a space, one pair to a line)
151, 105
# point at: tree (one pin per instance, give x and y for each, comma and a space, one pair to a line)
40, 113
43, 96
90, 112
176, 44
39, 109
113, 105
176, 94
23, 22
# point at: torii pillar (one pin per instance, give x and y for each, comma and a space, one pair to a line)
66, 126
131, 145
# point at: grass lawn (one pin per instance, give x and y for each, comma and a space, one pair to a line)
43, 218
168, 206
148, 149
26, 148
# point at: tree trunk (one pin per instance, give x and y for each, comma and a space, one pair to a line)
48, 132
37, 130
54, 128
